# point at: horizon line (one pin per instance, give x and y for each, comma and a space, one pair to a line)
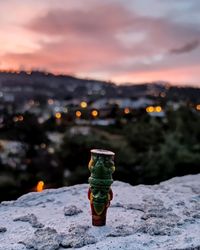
75, 75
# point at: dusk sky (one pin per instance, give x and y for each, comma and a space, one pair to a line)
118, 40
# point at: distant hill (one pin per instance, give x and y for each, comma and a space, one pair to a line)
25, 85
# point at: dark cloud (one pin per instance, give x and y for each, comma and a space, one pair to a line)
104, 22
188, 47
95, 20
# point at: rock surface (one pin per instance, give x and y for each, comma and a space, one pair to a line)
164, 216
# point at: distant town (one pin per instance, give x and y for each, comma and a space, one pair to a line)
22, 91
37, 107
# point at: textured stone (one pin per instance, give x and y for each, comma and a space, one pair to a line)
72, 210
3, 229
122, 231
44, 239
160, 217
77, 237
30, 218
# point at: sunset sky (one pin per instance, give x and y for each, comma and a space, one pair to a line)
118, 40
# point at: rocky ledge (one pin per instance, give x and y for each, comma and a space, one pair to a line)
164, 216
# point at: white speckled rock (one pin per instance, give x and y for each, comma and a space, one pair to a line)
164, 216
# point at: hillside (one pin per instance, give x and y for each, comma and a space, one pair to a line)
26, 85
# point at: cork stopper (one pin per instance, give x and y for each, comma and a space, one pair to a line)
102, 152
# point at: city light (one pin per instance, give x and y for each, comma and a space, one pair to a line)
51, 150
94, 113
127, 111
198, 107
31, 102
20, 118
158, 109
50, 101
151, 109
65, 110
43, 145
58, 115
78, 114
40, 186
83, 104
15, 119
163, 95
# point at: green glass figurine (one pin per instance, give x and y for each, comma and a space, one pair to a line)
100, 194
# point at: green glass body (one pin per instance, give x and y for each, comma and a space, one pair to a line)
101, 166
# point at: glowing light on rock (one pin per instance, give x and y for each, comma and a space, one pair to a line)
40, 186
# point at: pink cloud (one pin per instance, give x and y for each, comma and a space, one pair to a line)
87, 42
